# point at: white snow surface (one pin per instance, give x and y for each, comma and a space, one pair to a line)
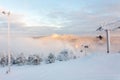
91, 67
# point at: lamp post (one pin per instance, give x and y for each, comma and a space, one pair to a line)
8, 40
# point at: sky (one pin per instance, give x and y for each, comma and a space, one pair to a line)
45, 17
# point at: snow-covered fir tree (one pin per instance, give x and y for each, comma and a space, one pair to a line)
20, 60
50, 58
63, 55
34, 59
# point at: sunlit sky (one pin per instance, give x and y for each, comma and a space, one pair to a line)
44, 17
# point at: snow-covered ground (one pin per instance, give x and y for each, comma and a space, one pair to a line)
95, 66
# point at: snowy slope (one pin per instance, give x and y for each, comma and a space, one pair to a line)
92, 67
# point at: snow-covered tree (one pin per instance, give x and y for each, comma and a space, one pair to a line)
12, 59
50, 58
63, 56
20, 60
34, 59
3, 61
